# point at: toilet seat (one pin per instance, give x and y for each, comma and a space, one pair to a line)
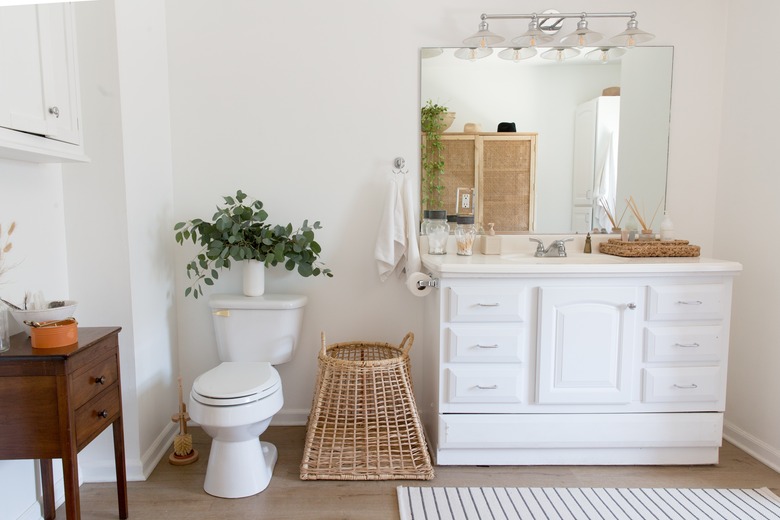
233, 383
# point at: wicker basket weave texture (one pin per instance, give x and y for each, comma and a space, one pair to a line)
364, 423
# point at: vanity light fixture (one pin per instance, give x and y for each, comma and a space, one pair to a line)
632, 35
542, 28
483, 37
517, 53
473, 53
606, 54
582, 36
560, 53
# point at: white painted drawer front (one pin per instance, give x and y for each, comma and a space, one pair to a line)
494, 385
686, 302
487, 303
499, 343
680, 344
491, 431
682, 384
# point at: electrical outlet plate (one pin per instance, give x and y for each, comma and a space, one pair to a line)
465, 201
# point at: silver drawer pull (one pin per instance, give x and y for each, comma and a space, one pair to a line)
690, 302
687, 345
491, 387
495, 345
686, 387
487, 304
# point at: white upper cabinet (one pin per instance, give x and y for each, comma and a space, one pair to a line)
39, 94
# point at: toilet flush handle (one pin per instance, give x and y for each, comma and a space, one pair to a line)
222, 312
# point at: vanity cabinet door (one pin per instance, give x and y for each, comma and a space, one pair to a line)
586, 343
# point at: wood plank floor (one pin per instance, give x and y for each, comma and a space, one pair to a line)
175, 492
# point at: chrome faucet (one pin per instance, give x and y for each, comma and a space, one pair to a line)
557, 248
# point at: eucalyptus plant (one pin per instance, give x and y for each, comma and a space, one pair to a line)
239, 231
432, 125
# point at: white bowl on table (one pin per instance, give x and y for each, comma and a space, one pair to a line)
39, 315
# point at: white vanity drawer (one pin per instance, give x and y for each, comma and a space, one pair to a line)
497, 343
487, 304
493, 385
686, 302
681, 344
682, 384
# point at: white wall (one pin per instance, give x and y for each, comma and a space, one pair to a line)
747, 210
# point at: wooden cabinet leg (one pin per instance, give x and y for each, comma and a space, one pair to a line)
121, 471
47, 489
70, 474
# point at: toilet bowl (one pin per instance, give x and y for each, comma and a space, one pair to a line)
235, 401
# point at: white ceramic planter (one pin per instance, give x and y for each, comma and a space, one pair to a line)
254, 278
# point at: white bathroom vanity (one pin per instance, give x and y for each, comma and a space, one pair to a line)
588, 359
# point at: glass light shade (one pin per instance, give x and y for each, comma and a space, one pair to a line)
517, 53
483, 37
533, 36
605, 54
582, 36
473, 53
560, 53
431, 52
632, 35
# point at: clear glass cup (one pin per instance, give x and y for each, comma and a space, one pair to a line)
465, 234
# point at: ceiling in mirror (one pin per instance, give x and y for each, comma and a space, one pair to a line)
592, 150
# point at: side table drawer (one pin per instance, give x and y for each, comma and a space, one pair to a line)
89, 381
93, 417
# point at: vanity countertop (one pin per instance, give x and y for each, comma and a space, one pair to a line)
577, 263
517, 258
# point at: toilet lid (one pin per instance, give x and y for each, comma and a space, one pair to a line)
232, 383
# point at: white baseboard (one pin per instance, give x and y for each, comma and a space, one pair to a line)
138, 469
291, 417
752, 445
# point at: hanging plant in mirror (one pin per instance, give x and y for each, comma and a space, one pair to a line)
433, 121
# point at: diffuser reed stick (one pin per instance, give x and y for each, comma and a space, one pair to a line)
635, 210
605, 204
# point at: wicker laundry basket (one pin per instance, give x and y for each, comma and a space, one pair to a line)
364, 423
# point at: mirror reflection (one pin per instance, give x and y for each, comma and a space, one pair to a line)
601, 131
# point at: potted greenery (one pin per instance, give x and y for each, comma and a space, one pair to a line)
433, 122
238, 231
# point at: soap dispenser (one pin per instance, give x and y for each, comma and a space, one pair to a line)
587, 244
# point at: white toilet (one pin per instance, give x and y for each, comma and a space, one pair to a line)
235, 401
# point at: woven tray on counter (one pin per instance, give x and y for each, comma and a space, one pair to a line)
648, 248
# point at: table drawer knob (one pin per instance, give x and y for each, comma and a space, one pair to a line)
103, 414
100, 380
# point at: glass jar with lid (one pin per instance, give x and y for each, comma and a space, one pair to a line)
465, 234
437, 230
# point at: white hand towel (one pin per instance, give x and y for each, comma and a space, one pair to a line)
413, 262
396, 243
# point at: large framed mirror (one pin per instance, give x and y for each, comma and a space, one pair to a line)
577, 172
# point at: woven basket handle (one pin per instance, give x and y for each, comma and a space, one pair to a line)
324, 349
410, 337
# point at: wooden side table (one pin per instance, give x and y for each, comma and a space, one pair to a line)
56, 401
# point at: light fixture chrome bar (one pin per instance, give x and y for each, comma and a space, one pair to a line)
485, 16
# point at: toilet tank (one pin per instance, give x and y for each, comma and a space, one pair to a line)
257, 328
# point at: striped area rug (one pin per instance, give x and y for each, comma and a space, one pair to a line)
483, 503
